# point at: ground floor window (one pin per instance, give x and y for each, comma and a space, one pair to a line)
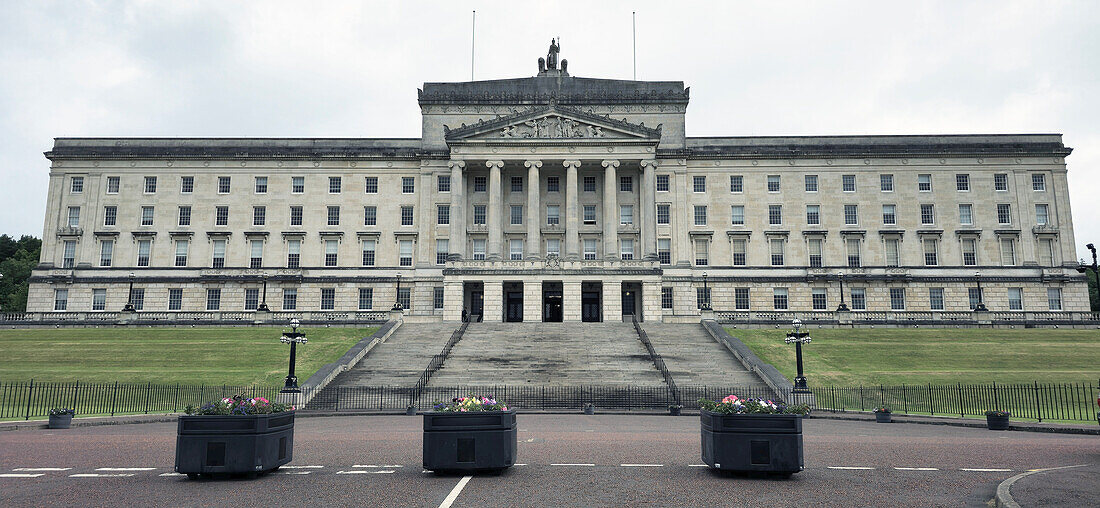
1054, 298
666, 298
366, 298
897, 298
213, 299
290, 299
60, 299
1015, 298
779, 298
741, 298
859, 299
975, 297
819, 298
437, 299
935, 298
251, 299
403, 298
702, 297
139, 298
328, 298
99, 299
175, 299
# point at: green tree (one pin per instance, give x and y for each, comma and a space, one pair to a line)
17, 259
1094, 292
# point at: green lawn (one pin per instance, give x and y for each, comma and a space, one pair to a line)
234, 356
892, 356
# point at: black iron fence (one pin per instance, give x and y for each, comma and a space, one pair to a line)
658, 362
34, 400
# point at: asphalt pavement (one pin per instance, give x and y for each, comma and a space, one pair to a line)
563, 460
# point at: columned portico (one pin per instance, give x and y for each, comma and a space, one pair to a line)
572, 211
534, 212
496, 234
610, 210
458, 211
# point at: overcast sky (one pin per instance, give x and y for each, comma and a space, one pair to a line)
331, 69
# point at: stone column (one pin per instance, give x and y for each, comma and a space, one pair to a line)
458, 211
610, 211
572, 215
649, 210
426, 224
496, 234
493, 302
534, 216
571, 301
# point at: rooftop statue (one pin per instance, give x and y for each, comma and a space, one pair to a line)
550, 63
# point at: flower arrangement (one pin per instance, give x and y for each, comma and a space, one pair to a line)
997, 412
239, 405
735, 405
62, 411
882, 409
470, 403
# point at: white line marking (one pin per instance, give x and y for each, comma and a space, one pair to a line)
450, 499
588, 465
697, 465
360, 471
42, 469
293, 472
125, 468
387, 466
858, 468
985, 470
172, 474
641, 465
96, 475
21, 475
302, 467
917, 468
519, 464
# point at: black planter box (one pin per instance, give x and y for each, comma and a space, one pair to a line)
761, 443
882, 417
472, 441
60, 421
996, 422
225, 444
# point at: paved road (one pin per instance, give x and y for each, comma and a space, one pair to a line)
569, 460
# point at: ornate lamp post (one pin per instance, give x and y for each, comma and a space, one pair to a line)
129, 307
798, 338
263, 303
397, 296
843, 306
980, 307
293, 338
705, 304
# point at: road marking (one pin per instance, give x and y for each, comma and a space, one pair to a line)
697, 465
985, 470
293, 472
361, 471
172, 474
97, 475
304, 467
21, 475
641, 465
519, 464
125, 468
581, 465
450, 499
857, 468
917, 468
42, 469
389, 466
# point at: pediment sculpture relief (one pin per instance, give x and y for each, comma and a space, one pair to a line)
552, 127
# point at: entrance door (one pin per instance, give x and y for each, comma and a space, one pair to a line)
477, 304
590, 306
551, 306
628, 304
513, 312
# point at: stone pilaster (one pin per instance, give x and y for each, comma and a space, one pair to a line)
426, 224
452, 298
610, 211
534, 215
494, 302
612, 301
571, 301
651, 301
572, 216
496, 234
532, 301
458, 213
649, 210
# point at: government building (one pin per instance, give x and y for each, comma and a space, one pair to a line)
560, 198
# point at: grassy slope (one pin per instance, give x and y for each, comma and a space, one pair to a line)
235, 356
839, 357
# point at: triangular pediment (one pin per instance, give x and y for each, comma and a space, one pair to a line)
552, 122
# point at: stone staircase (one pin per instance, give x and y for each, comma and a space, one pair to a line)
693, 357
401, 359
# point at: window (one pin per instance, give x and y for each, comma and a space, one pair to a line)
737, 183
479, 248
334, 216
924, 183
1008, 251
1054, 298
443, 215
813, 215
897, 298
370, 216
110, 215
290, 299
406, 216
223, 185
852, 245
106, 252
213, 299
516, 215
553, 215
517, 184
146, 216
553, 247
626, 250
369, 247
819, 298
404, 297
221, 216
773, 183
405, 252
328, 298
144, 246
1004, 213
251, 298
664, 251
935, 298
297, 186
408, 185
700, 215
589, 184
76, 185
814, 246
962, 182
889, 215
737, 215
479, 214
811, 183
664, 214
886, 183
1000, 181
219, 254
437, 298
779, 298
60, 299
150, 184
741, 298
366, 298
927, 214
332, 252
666, 298
74, 216
256, 257
662, 183
851, 215
859, 298
479, 184
776, 251
1046, 252
970, 251
138, 298
443, 183
775, 215
553, 184
739, 246
261, 185
893, 252
68, 259
187, 184
931, 252
293, 253
295, 216
185, 216
1015, 298
99, 299
626, 214
335, 184
181, 252
966, 214
515, 249
1041, 215
1038, 182
589, 248
698, 184
974, 296
259, 215
589, 214
370, 184
702, 298
848, 183
626, 184
113, 184
442, 250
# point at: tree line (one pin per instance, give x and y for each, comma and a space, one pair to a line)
17, 259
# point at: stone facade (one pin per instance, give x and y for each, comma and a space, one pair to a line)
559, 197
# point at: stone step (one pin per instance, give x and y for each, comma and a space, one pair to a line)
401, 359
693, 357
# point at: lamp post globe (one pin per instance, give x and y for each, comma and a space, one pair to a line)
294, 337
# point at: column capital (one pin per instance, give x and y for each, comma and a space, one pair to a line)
456, 164
496, 164
532, 163
610, 163
571, 164
648, 163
